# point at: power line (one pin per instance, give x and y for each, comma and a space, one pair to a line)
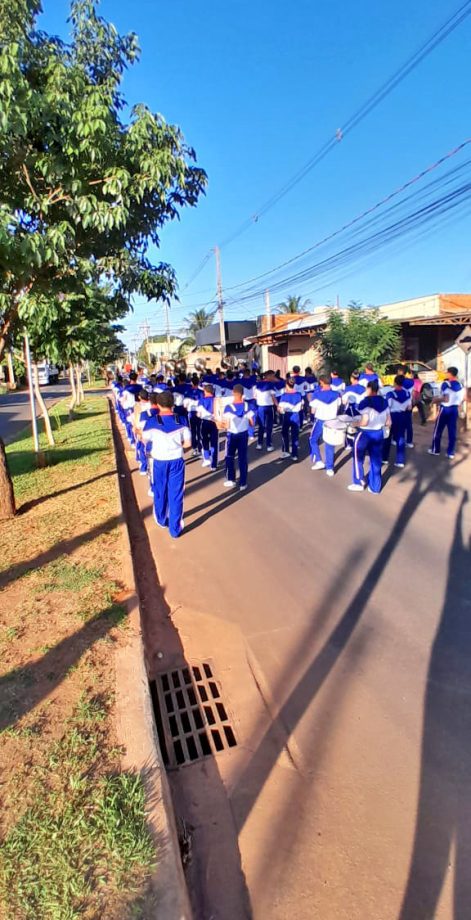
381, 93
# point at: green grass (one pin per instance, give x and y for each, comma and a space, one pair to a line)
83, 838
61, 575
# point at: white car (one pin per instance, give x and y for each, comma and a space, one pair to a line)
47, 373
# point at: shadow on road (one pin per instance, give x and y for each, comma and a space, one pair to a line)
443, 820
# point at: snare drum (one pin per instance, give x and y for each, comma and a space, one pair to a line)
334, 432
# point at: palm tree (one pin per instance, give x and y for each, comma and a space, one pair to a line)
293, 305
195, 321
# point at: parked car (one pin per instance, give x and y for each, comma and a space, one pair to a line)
431, 379
47, 373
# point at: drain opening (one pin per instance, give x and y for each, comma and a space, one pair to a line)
191, 718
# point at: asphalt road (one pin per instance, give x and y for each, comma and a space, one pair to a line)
349, 793
15, 410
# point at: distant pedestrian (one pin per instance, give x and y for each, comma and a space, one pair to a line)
451, 398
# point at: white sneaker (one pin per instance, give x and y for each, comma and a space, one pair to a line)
229, 484
150, 493
285, 454
270, 449
384, 462
433, 452
206, 463
294, 459
410, 446
400, 466
451, 456
318, 465
195, 453
242, 488
371, 490
259, 447
329, 473
142, 473
355, 487
393, 443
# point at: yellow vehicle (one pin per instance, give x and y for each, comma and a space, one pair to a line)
425, 372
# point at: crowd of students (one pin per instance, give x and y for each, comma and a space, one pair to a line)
163, 418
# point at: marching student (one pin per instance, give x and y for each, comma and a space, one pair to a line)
168, 440
353, 394
265, 398
160, 385
149, 423
369, 376
237, 419
127, 400
324, 406
141, 416
191, 402
300, 385
451, 398
290, 407
180, 393
209, 430
338, 383
374, 418
399, 402
409, 386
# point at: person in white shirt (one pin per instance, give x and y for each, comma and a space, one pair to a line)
238, 419
324, 407
265, 398
168, 440
374, 417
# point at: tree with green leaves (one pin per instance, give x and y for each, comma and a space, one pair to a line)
83, 192
193, 323
293, 304
356, 336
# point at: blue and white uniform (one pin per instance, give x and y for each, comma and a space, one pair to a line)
400, 404
369, 440
127, 401
366, 378
409, 386
324, 407
209, 431
240, 418
265, 391
141, 452
448, 416
180, 392
337, 384
290, 407
352, 397
167, 438
191, 402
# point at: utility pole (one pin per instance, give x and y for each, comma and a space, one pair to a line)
222, 328
268, 309
167, 330
338, 302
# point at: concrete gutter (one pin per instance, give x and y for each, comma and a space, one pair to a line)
167, 898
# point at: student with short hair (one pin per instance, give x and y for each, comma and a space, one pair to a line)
324, 407
369, 375
265, 397
399, 402
237, 419
451, 398
209, 430
168, 440
290, 407
141, 416
191, 402
338, 383
373, 419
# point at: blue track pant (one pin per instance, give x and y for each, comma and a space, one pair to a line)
265, 415
399, 424
289, 430
371, 443
237, 444
210, 440
409, 428
169, 486
141, 456
195, 428
315, 437
446, 418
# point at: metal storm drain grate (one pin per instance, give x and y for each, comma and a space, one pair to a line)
192, 720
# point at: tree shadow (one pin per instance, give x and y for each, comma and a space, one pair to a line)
253, 779
22, 689
444, 804
27, 506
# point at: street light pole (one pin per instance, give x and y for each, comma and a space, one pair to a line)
34, 421
222, 328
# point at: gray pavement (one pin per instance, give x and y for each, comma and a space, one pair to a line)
15, 410
349, 795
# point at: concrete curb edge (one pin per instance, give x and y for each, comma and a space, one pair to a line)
168, 896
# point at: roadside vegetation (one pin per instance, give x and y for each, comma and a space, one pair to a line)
73, 831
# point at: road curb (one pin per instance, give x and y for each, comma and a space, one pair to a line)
167, 897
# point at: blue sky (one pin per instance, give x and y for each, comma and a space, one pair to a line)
257, 87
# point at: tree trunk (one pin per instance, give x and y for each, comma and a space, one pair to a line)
11, 371
7, 496
80, 393
43, 407
73, 399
